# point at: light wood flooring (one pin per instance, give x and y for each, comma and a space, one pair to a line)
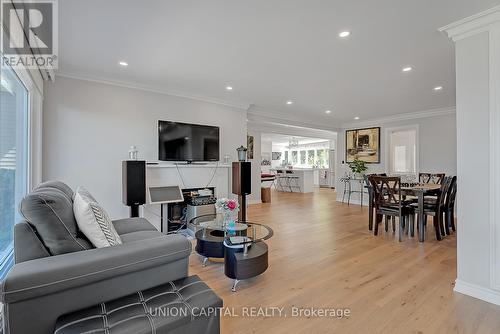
322, 255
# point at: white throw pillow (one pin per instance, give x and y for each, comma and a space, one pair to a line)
93, 220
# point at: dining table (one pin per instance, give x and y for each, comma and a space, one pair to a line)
420, 191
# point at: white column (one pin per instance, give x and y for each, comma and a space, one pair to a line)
477, 41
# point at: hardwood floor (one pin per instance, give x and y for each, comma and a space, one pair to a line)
323, 256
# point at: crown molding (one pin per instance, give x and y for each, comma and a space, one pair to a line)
401, 117
256, 115
151, 89
472, 25
293, 130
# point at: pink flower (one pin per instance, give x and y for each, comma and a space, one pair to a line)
231, 205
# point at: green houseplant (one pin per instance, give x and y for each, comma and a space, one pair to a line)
358, 167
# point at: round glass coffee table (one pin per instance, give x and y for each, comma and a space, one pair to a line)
246, 256
210, 234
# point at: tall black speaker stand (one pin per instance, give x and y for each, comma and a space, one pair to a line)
242, 214
134, 211
161, 217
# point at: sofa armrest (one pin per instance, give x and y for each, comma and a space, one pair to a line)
52, 274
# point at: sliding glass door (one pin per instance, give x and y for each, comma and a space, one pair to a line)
14, 139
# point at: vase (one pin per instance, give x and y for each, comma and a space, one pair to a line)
224, 218
228, 217
358, 176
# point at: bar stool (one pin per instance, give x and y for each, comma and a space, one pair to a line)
281, 180
293, 181
346, 179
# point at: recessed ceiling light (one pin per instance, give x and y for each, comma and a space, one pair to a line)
344, 34
328, 112
123, 63
356, 118
407, 69
229, 88
289, 102
438, 88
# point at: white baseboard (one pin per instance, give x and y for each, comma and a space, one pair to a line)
477, 291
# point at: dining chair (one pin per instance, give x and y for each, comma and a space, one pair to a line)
371, 201
434, 208
449, 207
389, 203
436, 178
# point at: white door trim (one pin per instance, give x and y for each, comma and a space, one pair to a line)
387, 142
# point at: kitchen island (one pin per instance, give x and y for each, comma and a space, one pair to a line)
301, 179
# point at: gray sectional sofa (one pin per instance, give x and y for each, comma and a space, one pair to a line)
61, 283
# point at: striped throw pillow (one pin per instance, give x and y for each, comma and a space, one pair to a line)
93, 220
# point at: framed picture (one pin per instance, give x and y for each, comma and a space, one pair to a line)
363, 144
249, 147
265, 159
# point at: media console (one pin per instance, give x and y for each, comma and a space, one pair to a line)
186, 176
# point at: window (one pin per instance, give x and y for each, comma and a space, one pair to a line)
310, 157
307, 155
322, 158
13, 157
302, 157
403, 151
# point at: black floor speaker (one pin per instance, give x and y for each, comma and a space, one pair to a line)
242, 185
242, 178
134, 185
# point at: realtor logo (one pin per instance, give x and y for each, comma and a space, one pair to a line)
29, 34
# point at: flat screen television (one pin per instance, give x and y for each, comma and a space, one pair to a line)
187, 142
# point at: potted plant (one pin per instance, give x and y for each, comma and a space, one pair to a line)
358, 167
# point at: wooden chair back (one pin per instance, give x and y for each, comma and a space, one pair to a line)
435, 178
443, 192
452, 193
386, 191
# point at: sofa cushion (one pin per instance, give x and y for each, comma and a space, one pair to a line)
57, 185
50, 211
93, 220
128, 225
139, 235
157, 310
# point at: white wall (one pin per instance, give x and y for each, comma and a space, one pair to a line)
89, 127
478, 128
473, 139
437, 146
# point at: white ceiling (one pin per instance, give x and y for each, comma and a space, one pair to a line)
272, 51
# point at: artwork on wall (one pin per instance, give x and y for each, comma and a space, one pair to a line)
265, 159
363, 144
276, 156
249, 147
